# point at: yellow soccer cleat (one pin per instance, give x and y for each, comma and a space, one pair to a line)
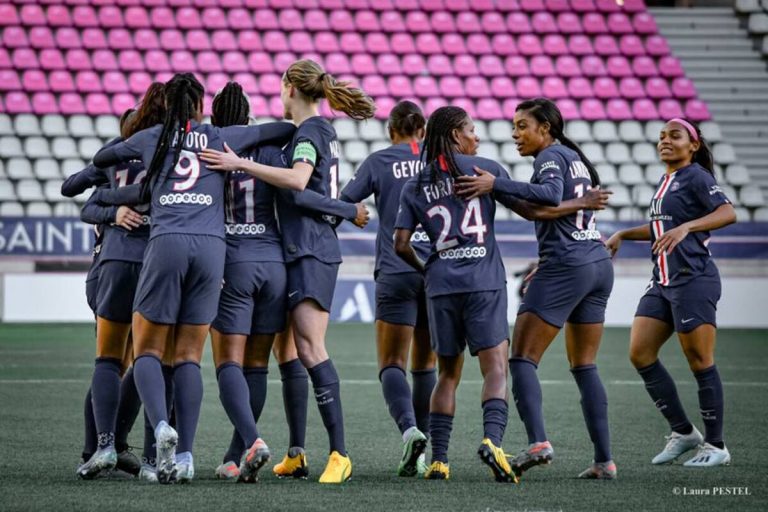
438, 471
293, 465
338, 470
495, 459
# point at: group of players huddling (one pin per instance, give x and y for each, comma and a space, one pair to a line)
256, 208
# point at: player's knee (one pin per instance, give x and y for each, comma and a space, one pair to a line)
698, 360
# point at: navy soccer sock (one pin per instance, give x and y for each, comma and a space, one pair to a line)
149, 453
440, 426
148, 375
423, 383
711, 404
295, 391
397, 395
91, 440
235, 450
256, 378
326, 384
188, 398
105, 393
233, 393
526, 390
168, 379
495, 412
661, 388
127, 410
594, 405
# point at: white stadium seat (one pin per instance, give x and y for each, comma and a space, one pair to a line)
710, 130
604, 131
47, 168
631, 174
500, 131
54, 125
631, 131
10, 147
356, 151
19, 169
742, 214
652, 130
52, 191
761, 215
379, 145
27, 125
620, 196
346, 129
654, 172
11, 209
7, 192
6, 126
107, 127
488, 150
66, 209
630, 213
64, 147
70, 166
751, 196
39, 209
724, 153
644, 153
88, 147
29, 190
579, 131
736, 174
481, 130
81, 126
594, 152
36, 147
617, 153
642, 195
372, 130
607, 172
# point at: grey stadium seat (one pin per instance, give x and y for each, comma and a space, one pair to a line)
731, 193
379, 145
66, 209
758, 23
652, 130
29, 190
39, 209
27, 125
6, 126
372, 129
81, 126
509, 153
711, 131
107, 127
617, 153
579, 131
642, 195
761, 215
47, 169
7, 192
620, 196
607, 172
607, 215
10, 147
70, 166
2, 170
630, 213
654, 172
346, 129
37, 147
605, 131
11, 209
644, 153
724, 153
594, 152
522, 172
747, 6
631, 131
488, 150
88, 147
355, 151
500, 131
631, 174
736, 174
54, 125
751, 196
481, 130
64, 147
52, 191
19, 169
742, 214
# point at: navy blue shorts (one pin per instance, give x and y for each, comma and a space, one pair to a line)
579, 295
253, 299
686, 306
400, 299
181, 278
310, 278
476, 319
91, 285
116, 289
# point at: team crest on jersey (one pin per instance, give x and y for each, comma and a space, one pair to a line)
715, 189
675, 186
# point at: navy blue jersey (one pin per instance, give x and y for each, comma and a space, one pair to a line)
687, 194
571, 240
252, 231
119, 243
464, 256
188, 199
307, 232
383, 174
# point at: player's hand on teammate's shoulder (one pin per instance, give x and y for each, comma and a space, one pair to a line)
226, 160
470, 187
127, 218
596, 199
363, 216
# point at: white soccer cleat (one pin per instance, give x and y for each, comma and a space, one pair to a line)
101, 462
678, 444
166, 440
148, 473
185, 467
709, 456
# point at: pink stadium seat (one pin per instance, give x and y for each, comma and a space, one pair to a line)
669, 108
579, 87
18, 102
249, 41
569, 23
504, 44
697, 110
146, 39
580, 45
260, 62
532, 5
163, 17
45, 103
82, 16
137, 17
657, 46
363, 64
518, 23
234, 62
516, 66
392, 21
225, 40
61, 81
543, 23
265, 19
402, 43
542, 65
453, 44
248, 81
493, 23
644, 66
351, 42
374, 85
605, 88
491, 65
171, 39
129, 60
197, 40
554, 87
122, 102
644, 110
52, 59
269, 84
606, 45
644, 23
683, 88
468, 106
439, 65
355, 5
568, 108
594, 23
631, 45
326, 42
507, 5
618, 66
32, 15
138, 82
508, 107
188, 18
592, 110
388, 64
157, 61
468, 23
110, 17
8, 15
416, 22
554, 44
657, 88
414, 64
275, 41
485, 5
316, 20
88, 81
341, 21
216, 81
557, 5
457, 5
384, 106
425, 87
634, 5
367, 21
184, 62
442, 22
15, 37
120, 39
71, 103
528, 87
377, 43
670, 67
239, 19
92, 38
529, 44
208, 62
97, 104
431, 5
300, 42
428, 44
618, 110
5, 59
568, 66
631, 88
406, 5
9, 80
330, 5
290, 19
337, 63
503, 87
40, 37
477, 87
619, 23
399, 86
260, 107
465, 65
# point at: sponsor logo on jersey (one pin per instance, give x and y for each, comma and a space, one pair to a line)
715, 189
549, 165
419, 236
186, 198
462, 253
246, 229
586, 234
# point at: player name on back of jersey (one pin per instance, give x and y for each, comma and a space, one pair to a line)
439, 190
193, 140
407, 168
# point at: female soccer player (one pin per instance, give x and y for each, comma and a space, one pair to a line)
311, 248
400, 300
465, 284
183, 267
571, 286
683, 293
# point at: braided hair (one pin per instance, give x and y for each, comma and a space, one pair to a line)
545, 111
439, 144
183, 100
230, 106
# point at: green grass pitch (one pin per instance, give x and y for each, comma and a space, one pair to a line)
45, 371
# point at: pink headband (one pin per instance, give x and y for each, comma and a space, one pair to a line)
688, 126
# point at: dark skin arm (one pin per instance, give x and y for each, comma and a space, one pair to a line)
724, 215
637, 233
594, 199
404, 249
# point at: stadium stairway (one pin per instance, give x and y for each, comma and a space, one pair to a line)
717, 53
